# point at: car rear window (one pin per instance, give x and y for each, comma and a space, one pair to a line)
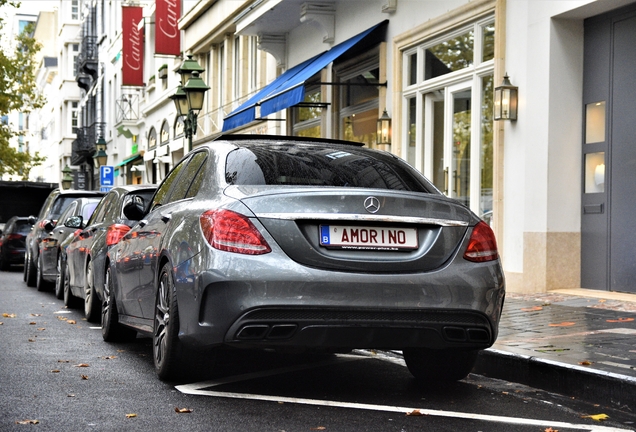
316, 165
60, 205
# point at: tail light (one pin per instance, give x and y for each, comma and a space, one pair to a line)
232, 232
115, 232
14, 236
482, 245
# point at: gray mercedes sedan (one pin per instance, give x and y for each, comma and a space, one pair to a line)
288, 243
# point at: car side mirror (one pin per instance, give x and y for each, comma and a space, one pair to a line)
135, 209
74, 222
49, 225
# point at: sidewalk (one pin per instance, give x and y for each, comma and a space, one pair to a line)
580, 343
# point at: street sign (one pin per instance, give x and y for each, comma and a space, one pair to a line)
105, 188
106, 175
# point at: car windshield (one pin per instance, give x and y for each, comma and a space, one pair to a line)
60, 204
315, 165
88, 209
22, 227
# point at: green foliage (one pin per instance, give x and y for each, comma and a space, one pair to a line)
18, 93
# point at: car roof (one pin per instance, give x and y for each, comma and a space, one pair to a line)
279, 139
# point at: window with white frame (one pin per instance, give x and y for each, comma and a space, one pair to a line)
447, 112
75, 12
358, 96
74, 116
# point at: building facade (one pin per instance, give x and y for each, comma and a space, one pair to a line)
555, 183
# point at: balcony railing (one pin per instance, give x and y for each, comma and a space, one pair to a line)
128, 107
84, 144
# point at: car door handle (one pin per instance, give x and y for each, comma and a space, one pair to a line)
143, 223
166, 218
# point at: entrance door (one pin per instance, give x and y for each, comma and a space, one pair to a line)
609, 153
447, 137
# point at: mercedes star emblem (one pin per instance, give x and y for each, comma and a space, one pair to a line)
372, 204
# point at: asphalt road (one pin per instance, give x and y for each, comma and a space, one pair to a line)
56, 374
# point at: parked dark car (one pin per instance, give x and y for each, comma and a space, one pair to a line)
84, 266
54, 243
304, 244
53, 207
13, 241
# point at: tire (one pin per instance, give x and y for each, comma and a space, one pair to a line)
40, 283
70, 301
439, 366
112, 331
92, 306
173, 362
59, 277
29, 271
4, 265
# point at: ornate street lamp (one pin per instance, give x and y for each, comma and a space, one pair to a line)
100, 157
188, 98
67, 179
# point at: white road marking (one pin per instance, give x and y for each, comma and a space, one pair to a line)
200, 390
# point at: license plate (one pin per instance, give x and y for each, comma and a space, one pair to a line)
368, 238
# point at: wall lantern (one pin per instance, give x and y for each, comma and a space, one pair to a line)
384, 129
506, 100
100, 157
67, 179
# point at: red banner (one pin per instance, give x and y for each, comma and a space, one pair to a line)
167, 33
133, 46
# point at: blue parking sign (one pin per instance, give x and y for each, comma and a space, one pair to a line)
106, 175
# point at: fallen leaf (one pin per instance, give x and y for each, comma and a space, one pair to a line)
121, 351
182, 410
55, 371
70, 395
131, 415
41, 329
1, 323
415, 413
532, 309
36, 315
31, 340
84, 377
597, 417
27, 421
32, 323
63, 361
319, 428
585, 363
619, 320
551, 430
71, 321
6, 315
563, 324
82, 365
602, 301
109, 357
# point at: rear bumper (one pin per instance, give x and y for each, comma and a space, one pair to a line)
347, 328
284, 304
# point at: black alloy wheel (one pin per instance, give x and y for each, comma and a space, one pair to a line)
92, 306
59, 277
29, 271
112, 331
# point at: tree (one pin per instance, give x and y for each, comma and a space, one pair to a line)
18, 93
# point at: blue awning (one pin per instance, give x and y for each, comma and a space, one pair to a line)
289, 88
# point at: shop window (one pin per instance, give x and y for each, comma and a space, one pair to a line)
307, 117
152, 139
164, 138
447, 123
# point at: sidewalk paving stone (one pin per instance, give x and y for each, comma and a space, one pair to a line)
574, 345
